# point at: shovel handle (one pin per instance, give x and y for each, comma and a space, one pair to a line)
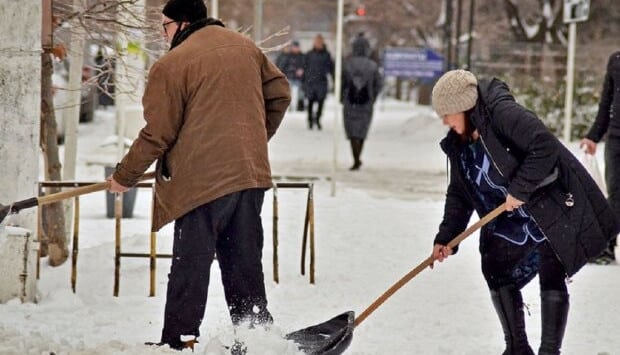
426, 263
63, 195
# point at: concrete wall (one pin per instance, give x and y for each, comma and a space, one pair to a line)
18, 255
20, 78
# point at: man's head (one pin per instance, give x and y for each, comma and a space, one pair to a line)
319, 42
295, 47
178, 14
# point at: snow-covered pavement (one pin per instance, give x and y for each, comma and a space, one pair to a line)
379, 225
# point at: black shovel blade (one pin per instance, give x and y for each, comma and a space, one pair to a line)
328, 338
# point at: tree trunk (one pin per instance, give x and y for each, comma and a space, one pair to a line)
53, 240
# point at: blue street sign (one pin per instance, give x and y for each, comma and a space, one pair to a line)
412, 63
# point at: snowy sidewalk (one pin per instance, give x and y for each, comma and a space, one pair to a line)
380, 224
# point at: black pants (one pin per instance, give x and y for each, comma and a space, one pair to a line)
503, 262
315, 117
612, 176
231, 227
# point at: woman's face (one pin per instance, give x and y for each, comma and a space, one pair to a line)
456, 122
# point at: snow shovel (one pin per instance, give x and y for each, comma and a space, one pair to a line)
334, 336
15, 207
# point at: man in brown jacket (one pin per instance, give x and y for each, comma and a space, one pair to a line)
210, 104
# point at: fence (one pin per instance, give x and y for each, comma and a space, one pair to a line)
152, 255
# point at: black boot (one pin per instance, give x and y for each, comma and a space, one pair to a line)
356, 149
508, 304
554, 309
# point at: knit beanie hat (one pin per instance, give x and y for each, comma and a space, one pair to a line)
456, 91
185, 10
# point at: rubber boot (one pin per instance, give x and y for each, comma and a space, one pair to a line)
508, 304
554, 310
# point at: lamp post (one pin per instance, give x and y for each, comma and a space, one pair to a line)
258, 20
214, 10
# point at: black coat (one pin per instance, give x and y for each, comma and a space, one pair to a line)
529, 156
608, 116
359, 66
318, 65
290, 63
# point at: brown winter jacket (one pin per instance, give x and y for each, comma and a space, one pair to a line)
210, 106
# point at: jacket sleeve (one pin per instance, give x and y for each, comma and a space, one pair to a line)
331, 66
457, 212
276, 93
163, 113
538, 148
601, 123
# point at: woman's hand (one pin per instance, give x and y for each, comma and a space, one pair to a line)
512, 203
440, 253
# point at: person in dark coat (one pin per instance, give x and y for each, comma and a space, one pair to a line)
556, 217
291, 63
318, 65
608, 122
361, 85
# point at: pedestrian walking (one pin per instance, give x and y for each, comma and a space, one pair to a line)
361, 85
607, 122
210, 104
556, 217
318, 66
291, 62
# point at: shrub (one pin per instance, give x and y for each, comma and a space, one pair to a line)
546, 99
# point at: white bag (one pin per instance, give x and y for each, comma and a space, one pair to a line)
591, 165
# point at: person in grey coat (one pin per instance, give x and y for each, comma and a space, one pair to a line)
556, 217
361, 85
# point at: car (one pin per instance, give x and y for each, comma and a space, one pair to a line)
88, 95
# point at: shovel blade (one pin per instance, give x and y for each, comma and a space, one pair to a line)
331, 337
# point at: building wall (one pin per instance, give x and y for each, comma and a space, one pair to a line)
20, 82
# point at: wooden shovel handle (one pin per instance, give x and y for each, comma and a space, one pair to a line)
63, 195
426, 263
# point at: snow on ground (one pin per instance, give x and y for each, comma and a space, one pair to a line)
378, 226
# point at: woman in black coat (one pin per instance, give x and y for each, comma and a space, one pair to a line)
361, 85
608, 122
556, 217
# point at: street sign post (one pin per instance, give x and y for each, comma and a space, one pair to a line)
574, 11
412, 63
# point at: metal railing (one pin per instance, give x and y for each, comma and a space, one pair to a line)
118, 254
152, 255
